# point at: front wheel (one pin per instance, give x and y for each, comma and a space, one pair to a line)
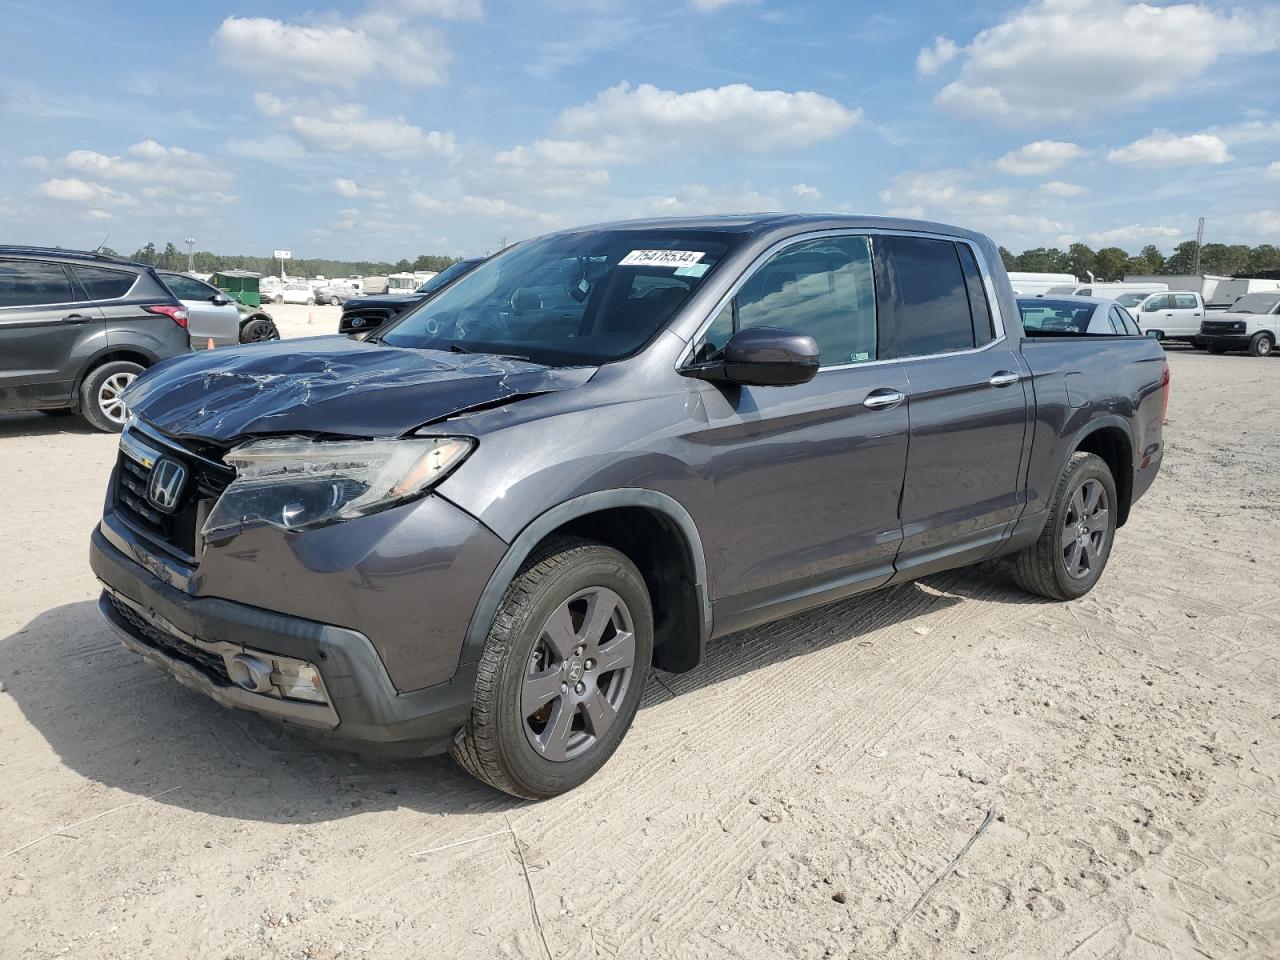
1076, 541
259, 330
1261, 345
562, 672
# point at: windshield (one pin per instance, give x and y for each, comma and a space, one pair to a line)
447, 275
577, 298
1131, 299
1256, 303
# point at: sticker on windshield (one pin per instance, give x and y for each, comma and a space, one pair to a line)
693, 270
661, 258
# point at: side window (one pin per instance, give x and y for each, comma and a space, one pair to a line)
185, 288
102, 284
820, 287
1117, 324
1130, 325
1184, 301
984, 330
930, 297
33, 283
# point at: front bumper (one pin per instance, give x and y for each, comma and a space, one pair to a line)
1225, 341
364, 711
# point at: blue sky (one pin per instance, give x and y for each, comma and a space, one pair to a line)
391, 128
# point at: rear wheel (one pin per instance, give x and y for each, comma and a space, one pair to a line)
1261, 345
1074, 546
562, 672
1157, 334
101, 401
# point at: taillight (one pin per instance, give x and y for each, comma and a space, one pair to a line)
1164, 387
177, 314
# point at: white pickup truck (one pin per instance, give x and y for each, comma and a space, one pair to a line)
1172, 315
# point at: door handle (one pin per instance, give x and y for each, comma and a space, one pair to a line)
76, 318
1168, 314
1004, 378
885, 398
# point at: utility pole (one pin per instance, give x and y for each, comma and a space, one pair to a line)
191, 262
1195, 264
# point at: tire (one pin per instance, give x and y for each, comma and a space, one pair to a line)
99, 395
1052, 570
278, 298
311, 301
1262, 345
1156, 334
522, 666
259, 330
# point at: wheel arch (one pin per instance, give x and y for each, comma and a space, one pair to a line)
656, 533
109, 354
1111, 439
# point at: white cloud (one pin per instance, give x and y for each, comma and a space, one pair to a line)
275, 148
1164, 149
1250, 131
932, 59
696, 199
492, 208
36, 163
345, 187
154, 165
708, 6
1257, 225
334, 52
806, 192
1058, 188
1068, 59
445, 9
941, 193
345, 128
1273, 170
75, 190
1131, 236
1040, 157
95, 214
652, 119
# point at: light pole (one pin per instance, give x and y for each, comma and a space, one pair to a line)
191, 246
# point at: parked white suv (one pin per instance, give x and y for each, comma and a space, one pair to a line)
1252, 323
1170, 316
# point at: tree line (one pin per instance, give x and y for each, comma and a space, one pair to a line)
205, 261
1112, 263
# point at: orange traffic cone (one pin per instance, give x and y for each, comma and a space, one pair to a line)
309, 317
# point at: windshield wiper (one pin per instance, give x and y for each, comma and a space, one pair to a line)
458, 348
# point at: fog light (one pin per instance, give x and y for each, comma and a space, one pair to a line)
299, 681
249, 672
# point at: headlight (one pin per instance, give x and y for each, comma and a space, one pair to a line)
294, 483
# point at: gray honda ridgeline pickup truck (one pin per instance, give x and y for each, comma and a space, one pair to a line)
480, 529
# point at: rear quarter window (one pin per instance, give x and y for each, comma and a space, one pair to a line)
101, 283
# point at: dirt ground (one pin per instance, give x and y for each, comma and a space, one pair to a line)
796, 796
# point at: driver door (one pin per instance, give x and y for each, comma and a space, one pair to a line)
806, 479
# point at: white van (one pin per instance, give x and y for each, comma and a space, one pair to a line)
1170, 316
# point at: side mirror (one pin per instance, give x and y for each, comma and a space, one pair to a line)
763, 357
218, 300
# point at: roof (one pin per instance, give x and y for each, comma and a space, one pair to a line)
759, 224
28, 250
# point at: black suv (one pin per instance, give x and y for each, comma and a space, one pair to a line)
77, 328
363, 314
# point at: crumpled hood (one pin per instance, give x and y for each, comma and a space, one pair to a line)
329, 385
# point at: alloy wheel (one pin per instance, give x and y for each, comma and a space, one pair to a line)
578, 674
1085, 530
109, 396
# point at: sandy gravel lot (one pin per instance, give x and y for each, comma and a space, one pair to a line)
794, 797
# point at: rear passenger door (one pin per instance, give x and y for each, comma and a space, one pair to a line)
47, 330
1184, 319
967, 401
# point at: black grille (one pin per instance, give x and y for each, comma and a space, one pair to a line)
369, 318
1222, 326
177, 531
210, 664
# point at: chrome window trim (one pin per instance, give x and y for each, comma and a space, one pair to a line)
69, 268
997, 316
